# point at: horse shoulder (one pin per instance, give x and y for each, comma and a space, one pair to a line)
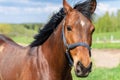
30, 71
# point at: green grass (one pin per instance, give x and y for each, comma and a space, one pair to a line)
107, 36
105, 39
101, 74
23, 40
106, 45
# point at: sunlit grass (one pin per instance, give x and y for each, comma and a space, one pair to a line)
106, 36
106, 45
23, 40
101, 74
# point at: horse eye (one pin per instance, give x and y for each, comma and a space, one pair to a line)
69, 28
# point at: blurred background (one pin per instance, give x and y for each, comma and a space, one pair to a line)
21, 19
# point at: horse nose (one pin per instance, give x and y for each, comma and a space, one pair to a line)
82, 71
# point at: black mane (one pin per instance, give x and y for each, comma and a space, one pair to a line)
47, 30
55, 20
85, 8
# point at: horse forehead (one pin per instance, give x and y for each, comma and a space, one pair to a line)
73, 14
80, 22
83, 21
73, 18
78, 17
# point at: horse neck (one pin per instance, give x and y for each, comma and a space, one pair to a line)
54, 50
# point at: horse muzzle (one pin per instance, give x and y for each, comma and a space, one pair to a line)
82, 71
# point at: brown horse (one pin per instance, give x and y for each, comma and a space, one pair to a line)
56, 48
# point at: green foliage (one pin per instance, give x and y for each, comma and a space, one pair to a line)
20, 33
14, 30
108, 23
5, 29
33, 26
102, 74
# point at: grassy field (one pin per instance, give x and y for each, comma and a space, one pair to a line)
104, 40
106, 36
106, 45
102, 74
23, 40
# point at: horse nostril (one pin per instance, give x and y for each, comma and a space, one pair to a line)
79, 64
78, 67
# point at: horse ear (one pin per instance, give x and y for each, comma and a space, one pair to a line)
66, 6
93, 6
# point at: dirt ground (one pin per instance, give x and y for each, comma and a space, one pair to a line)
108, 58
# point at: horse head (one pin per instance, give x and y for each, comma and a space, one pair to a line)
77, 37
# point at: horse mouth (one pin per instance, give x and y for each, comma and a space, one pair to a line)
81, 74
81, 71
